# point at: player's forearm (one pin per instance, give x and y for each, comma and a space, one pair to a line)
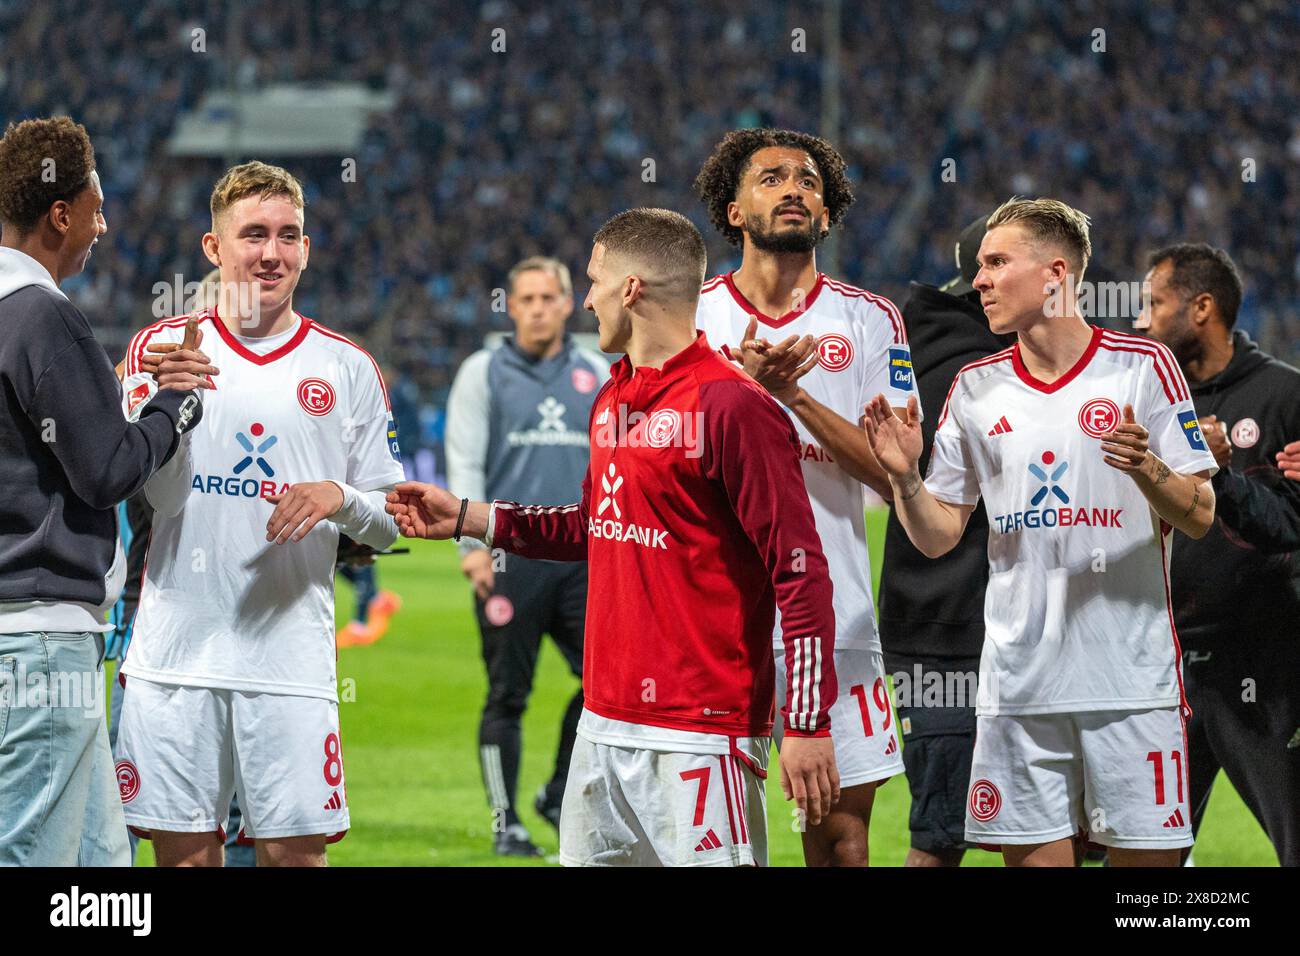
553, 533
845, 441
1184, 501
932, 526
363, 519
168, 488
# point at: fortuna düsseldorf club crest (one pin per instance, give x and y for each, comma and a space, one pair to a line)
985, 801
835, 352
1099, 417
316, 396
128, 780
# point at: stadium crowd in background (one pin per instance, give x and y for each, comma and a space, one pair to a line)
1187, 128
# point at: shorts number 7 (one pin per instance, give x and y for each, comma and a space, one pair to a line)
702, 775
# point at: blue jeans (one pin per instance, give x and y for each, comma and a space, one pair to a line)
59, 800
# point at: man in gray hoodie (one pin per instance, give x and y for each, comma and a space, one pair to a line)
67, 457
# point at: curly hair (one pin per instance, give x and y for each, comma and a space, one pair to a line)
719, 178
42, 161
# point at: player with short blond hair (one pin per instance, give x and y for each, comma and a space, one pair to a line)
232, 665
1086, 449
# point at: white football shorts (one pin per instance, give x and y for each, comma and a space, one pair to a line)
631, 807
183, 752
863, 729
1119, 776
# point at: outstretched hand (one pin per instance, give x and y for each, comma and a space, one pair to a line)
423, 511
895, 443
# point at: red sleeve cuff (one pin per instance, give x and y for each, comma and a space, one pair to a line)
820, 732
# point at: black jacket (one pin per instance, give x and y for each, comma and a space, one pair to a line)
935, 608
1242, 580
67, 454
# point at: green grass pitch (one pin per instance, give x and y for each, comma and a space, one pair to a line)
411, 753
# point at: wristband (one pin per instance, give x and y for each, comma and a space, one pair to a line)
460, 522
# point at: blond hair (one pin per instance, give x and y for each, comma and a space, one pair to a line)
552, 267
1051, 222
253, 179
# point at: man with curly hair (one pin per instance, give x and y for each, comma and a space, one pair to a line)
67, 458
775, 194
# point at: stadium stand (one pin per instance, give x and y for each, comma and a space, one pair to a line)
489, 156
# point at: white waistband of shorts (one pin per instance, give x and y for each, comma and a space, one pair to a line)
622, 733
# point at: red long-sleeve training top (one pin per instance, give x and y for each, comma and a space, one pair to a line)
696, 526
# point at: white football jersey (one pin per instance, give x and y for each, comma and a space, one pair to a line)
1077, 611
863, 353
220, 606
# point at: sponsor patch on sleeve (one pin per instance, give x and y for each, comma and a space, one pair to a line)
392, 440
900, 368
136, 396
1192, 429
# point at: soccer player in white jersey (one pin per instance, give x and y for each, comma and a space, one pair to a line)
776, 193
1087, 451
231, 680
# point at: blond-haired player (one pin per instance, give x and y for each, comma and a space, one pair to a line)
1086, 449
231, 670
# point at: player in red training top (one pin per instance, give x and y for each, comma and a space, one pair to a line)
696, 527
776, 193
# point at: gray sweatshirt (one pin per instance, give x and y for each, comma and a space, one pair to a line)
517, 425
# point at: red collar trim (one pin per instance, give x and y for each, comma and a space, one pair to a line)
1019, 365
786, 319
238, 347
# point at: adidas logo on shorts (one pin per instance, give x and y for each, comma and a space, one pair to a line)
710, 842
334, 803
1175, 819
892, 747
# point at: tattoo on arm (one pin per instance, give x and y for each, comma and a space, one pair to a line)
911, 487
1162, 473
1196, 499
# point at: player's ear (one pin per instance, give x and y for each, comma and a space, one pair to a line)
632, 290
212, 248
306, 249
60, 216
1202, 306
734, 216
